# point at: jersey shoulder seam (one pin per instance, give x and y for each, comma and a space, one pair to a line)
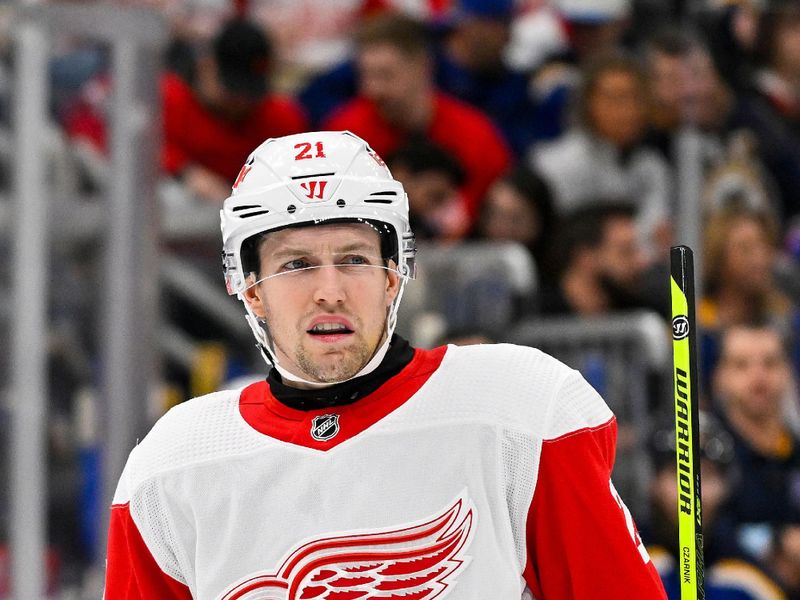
582, 430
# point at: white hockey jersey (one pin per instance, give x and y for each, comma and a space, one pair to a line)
478, 472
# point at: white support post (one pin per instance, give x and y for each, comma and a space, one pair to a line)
136, 37
689, 222
29, 338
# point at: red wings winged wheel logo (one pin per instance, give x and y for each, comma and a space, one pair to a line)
416, 562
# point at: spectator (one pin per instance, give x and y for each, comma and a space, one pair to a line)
750, 385
398, 100
730, 573
775, 108
590, 28
468, 41
325, 93
211, 126
312, 36
740, 250
784, 558
431, 178
685, 88
603, 155
470, 66
665, 58
731, 31
779, 50
594, 26
519, 208
739, 151
537, 35
599, 263
193, 24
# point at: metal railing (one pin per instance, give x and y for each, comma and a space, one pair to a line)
472, 286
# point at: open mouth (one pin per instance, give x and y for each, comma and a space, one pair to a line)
330, 330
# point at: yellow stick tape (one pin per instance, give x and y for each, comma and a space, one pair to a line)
688, 510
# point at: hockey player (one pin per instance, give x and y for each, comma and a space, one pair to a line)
361, 467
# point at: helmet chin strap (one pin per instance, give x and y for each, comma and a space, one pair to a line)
373, 363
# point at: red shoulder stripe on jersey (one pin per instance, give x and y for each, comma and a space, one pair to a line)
132, 573
264, 413
607, 443
581, 542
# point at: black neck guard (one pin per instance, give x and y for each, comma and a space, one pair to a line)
398, 356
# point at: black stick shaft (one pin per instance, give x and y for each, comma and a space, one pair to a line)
687, 423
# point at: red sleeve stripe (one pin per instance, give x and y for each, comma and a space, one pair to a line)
132, 573
580, 541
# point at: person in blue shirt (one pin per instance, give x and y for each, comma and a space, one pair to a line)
730, 573
470, 65
468, 52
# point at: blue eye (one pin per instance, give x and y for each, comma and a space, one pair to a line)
297, 263
356, 260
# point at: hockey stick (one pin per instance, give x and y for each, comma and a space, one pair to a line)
687, 428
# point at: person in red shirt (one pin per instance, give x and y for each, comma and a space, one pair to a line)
212, 123
397, 100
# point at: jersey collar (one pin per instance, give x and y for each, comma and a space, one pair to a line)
398, 356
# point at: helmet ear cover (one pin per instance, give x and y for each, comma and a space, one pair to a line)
251, 258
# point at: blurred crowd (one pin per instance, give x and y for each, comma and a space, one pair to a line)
558, 125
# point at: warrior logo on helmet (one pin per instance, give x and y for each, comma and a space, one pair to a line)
315, 190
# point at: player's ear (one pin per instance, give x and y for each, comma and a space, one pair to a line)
253, 297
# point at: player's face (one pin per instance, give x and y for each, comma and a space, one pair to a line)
326, 323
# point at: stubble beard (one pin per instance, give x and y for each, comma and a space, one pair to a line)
338, 366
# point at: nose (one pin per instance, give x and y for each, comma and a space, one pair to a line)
329, 286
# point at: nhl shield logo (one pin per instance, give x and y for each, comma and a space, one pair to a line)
324, 427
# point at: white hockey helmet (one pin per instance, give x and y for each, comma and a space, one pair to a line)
313, 178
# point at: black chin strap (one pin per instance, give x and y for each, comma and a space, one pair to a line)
398, 356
